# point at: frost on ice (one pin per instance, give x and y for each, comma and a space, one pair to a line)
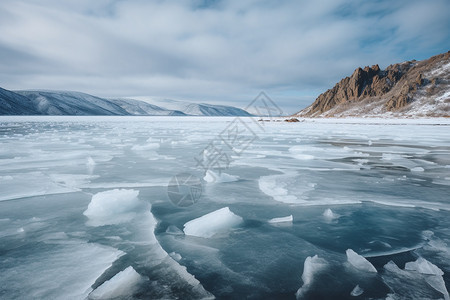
218, 221
359, 262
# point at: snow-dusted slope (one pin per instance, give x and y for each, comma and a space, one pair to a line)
42, 102
141, 108
15, 104
71, 103
198, 109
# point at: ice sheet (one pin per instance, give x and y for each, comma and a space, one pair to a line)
56, 272
30, 184
371, 169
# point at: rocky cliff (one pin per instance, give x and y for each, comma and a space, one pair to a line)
408, 89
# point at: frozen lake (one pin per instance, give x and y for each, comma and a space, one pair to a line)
347, 209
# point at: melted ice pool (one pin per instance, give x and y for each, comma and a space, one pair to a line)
322, 209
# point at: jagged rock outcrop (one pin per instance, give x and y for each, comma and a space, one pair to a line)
410, 88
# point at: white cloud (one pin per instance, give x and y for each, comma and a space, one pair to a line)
227, 51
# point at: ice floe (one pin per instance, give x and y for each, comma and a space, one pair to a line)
287, 219
359, 262
311, 266
218, 221
112, 207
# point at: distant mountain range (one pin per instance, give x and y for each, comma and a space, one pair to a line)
41, 102
408, 89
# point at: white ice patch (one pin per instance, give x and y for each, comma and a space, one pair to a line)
272, 186
329, 215
112, 207
122, 285
175, 256
90, 162
218, 221
282, 220
308, 152
311, 267
359, 262
423, 266
357, 291
417, 169
146, 147
214, 177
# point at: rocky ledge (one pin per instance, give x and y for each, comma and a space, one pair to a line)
408, 89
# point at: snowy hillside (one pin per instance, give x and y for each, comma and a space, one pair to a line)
141, 108
42, 102
15, 104
71, 103
198, 109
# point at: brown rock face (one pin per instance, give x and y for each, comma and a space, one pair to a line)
389, 90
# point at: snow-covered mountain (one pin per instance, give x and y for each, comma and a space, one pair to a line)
141, 108
198, 109
71, 103
14, 104
42, 102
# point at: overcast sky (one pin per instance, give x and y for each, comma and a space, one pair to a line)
211, 51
